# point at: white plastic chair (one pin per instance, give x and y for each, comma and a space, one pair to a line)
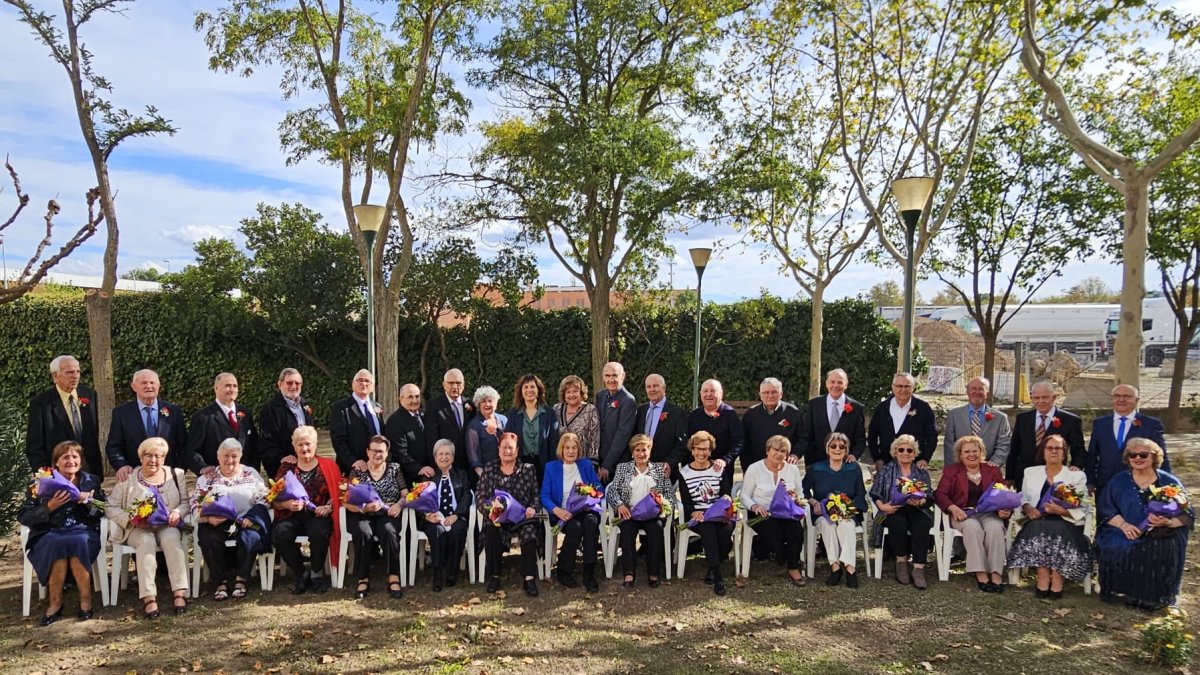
743, 535
1089, 530
346, 551
861, 529
613, 543
685, 535
200, 570
99, 572
943, 542
419, 540
120, 571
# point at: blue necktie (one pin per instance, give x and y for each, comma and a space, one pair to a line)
651, 420
371, 417
1121, 433
151, 427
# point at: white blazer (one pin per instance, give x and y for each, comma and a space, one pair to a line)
1035, 478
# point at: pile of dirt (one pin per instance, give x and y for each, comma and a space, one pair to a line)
1059, 368
945, 344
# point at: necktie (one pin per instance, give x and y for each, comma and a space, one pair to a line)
652, 420
151, 425
835, 415
446, 501
1039, 434
457, 405
233, 423
975, 425
1121, 433
75, 423
370, 417
420, 422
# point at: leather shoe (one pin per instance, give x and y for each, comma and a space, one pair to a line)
918, 578
590, 585
902, 572
362, 590
708, 578
835, 577
851, 579
493, 584
997, 588
655, 583
301, 585
451, 580
568, 580
531, 588
84, 614
1041, 594
395, 590
1054, 595
718, 587
628, 583
319, 585
51, 618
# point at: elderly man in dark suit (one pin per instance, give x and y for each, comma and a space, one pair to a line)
353, 421
772, 416
279, 417
64, 412
406, 430
217, 421
1031, 428
618, 412
447, 415
835, 411
145, 416
1110, 433
664, 422
899, 414
977, 418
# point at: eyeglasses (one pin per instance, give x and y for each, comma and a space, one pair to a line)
907, 451
376, 449
1139, 455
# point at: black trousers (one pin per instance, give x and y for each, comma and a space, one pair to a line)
717, 540
446, 547
364, 530
218, 557
908, 534
785, 536
653, 543
583, 528
303, 523
495, 541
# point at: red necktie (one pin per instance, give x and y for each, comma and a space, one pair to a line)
233, 422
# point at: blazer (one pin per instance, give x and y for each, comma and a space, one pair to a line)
460, 486
1022, 451
552, 484
952, 488
1035, 478
350, 431
670, 435
814, 429
618, 413
209, 427
547, 449
619, 491
174, 494
275, 426
440, 423
758, 425
406, 431
49, 424
994, 432
1104, 456
127, 430
919, 423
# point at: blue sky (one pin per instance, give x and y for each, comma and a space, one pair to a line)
225, 159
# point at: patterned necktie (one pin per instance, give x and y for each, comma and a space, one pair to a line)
446, 502
420, 422
975, 426
457, 405
835, 416
75, 421
233, 423
652, 420
1039, 434
1121, 433
151, 426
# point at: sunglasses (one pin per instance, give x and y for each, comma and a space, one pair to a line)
1139, 455
839, 446
907, 451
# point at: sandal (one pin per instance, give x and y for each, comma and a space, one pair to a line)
239, 589
151, 613
221, 593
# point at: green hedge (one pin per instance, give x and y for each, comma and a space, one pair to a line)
188, 342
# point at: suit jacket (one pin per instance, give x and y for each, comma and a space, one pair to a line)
460, 485
994, 432
919, 423
1035, 478
127, 430
406, 431
758, 425
209, 427
552, 484
952, 488
814, 429
440, 423
616, 426
350, 430
1104, 456
670, 436
275, 426
50, 424
1022, 452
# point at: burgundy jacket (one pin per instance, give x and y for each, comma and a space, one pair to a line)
952, 488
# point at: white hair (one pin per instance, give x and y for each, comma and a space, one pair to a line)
57, 364
485, 392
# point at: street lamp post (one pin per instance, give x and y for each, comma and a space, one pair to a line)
700, 261
370, 218
912, 194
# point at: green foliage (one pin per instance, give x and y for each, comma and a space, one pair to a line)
1166, 640
1087, 289
14, 468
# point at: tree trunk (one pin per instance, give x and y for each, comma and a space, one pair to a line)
816, 339
1128, 346
99, 319
387, 353
1175, 398
600, 321
989, 357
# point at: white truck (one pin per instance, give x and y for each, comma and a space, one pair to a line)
1160, 330
1076, 328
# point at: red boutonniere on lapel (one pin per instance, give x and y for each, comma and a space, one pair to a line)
662, 417
615, 403
716, 414
784, 423
847, 409
912, 413
308, 409
1055, 422
84, 401
241, 415
987, 416
1137, 422
164, 412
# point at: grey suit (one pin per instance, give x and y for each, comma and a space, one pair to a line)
994, 432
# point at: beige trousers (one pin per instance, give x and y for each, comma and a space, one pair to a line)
841, 542
170, 540
986, 540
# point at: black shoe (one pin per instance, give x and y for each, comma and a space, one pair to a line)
151, 614
319, 585
493, 584
301, 584
51, 618
985, 586
655, 583
568, 580
531, 588
178, 608
589, 583
997, 588
395, 590
851, 579
364, 587
628, 583
84, 614
451, 580
437, 583
718, 586
1040, 594
708, 578
1054, 595
835, 577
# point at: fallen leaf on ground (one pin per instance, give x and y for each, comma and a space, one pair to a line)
518, 611
307, 634
1062, 612
327, 658
475, 600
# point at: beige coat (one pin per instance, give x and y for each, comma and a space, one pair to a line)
174, 493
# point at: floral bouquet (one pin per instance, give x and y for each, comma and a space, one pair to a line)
287, 488
906, 489
362, 494
998, 497
651, 506
837, 507
149, 511
786, 503
584, 497
218, 506
505, 509
1167, 501
1063, 495
423, 497
47, 481
722, 511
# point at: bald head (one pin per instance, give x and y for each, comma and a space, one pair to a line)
656, 387
614, 376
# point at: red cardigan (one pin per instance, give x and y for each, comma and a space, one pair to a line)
952, 488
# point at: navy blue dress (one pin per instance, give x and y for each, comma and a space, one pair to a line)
73, 531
